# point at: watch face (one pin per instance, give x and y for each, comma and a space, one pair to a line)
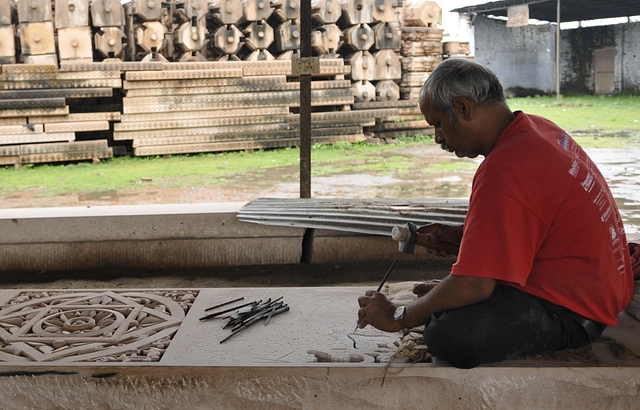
399, 313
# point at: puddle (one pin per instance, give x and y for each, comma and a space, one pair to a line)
621, 169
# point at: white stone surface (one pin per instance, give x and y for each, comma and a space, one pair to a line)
316, 326
164, 236
119, 210
267, 367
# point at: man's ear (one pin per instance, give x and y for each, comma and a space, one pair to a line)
464, 107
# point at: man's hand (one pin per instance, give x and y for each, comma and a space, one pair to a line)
376, 310
452, 292
442, 239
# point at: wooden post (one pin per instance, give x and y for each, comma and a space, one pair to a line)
305, 125
305, 101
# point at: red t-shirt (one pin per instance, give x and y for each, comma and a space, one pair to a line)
542, 219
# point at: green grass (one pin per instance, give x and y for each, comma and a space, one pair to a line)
614, 120
603, 114
199, 170
125, 172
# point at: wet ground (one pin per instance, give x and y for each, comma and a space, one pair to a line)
621, 169
619, 166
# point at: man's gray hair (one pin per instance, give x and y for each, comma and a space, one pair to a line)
461, 78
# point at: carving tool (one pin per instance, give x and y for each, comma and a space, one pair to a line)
248, 316
224, 304
282, 309
384, 279
210, 315
408, 237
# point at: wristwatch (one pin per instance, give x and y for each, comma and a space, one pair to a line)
398, 315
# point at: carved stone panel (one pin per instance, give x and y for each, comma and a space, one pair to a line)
388, 65
363, 91
227, 39
151, 36
75, 43
37, 38
34, 11
193, 9
285, 10
107, 13
287, 36
108, 41
363, 66
149, 9
6, 12
192, 37
387, 36
359, 37
326, 39
226, 11
7, 45
256, 10
91, 326
258, 35
357, 11
387, 90
72, 13
326, 11
384, 10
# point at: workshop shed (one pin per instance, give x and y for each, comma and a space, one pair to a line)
592, 60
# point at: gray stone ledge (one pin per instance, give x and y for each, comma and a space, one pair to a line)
160, 236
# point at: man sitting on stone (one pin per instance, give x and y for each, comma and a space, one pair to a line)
543, 262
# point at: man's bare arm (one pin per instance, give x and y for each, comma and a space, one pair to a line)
453, 292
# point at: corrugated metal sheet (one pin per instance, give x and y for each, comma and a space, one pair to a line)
574, 10
367, 216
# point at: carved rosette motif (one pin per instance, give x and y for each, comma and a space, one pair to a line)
91, 326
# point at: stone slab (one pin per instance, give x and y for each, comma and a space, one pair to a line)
271, 367
315, 329
151, 236
314, 332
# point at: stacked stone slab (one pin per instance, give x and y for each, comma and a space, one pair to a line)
7, 32
421, 51
108, 19
455, 49
388, 71
258, 33
226, 38
191, 34
358, 39
72, 28
36, 100
326, 37
150, 29
421, 45
35, 25
36, 124
222, 106
284, 19
371, 39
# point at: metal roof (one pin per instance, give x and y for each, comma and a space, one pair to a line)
570, 10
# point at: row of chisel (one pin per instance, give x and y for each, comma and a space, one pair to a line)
247, 314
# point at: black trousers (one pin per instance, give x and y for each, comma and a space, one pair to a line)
509, 323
